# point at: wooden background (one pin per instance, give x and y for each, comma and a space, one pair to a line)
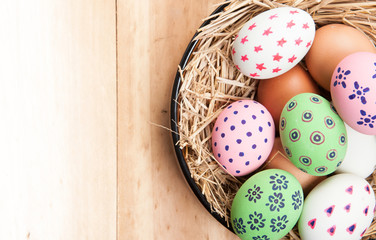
82, 83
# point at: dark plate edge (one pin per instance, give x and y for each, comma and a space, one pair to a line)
174, 116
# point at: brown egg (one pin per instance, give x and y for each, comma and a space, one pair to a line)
332, 43
278, 159
274, 93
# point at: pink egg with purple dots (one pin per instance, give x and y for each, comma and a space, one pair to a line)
243, 137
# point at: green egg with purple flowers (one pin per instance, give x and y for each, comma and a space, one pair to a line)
313, 135
267, 206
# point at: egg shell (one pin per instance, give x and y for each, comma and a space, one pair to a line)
340, 207
278, 160
360, 158
267, 205
312, 134
353, 90
273, 42
274, 93
332, 43
242, 137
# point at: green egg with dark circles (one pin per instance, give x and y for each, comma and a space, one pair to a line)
313, 135
267, 205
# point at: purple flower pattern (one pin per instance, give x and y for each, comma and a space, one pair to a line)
276, 202
359, 92
366, 119
341, 77
278, 181
256, 221
279, 223
254, 194
239, 226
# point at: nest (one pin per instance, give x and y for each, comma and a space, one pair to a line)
210, 82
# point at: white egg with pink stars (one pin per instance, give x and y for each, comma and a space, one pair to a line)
273, 42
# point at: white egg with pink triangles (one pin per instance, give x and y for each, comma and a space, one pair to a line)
340, 207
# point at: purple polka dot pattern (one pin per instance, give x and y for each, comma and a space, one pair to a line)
243, 137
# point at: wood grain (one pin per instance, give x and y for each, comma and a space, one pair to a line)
58, 119
82, 85
154, 202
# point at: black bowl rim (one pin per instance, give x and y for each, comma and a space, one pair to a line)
175, 130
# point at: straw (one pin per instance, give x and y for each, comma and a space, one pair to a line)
210, 82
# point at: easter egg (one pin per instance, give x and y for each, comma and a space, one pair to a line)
353, 90
273, 42
340, 207
360, 158
313, 136
267, 205
242, 137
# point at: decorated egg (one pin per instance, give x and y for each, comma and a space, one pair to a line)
242, 137
312, 134
273, 42
353, 90
360, 158
267, 205
340, 207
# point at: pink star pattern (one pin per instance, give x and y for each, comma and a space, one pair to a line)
281, 42
290, 24
258, 48
244, 39
292, 59
267, 32
298, 41
277, 57
260, 66
252, 27
273, 16
282, 46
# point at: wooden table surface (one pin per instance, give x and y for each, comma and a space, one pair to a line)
82, 84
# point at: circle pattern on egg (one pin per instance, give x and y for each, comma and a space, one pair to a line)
242, 137
312, 134
353, 90
267, 205
273, 42
340, 207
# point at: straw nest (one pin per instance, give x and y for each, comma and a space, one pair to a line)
210, 82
